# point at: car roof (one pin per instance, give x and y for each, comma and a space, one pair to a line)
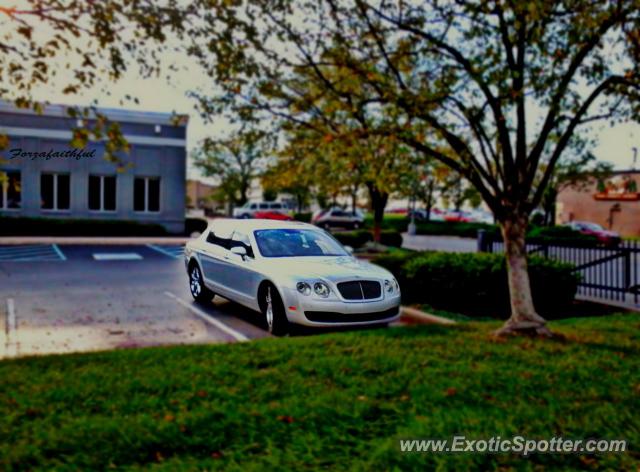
259, 223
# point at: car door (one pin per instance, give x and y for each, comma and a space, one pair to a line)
244, 277
214, 255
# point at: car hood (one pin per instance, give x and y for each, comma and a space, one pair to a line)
329, 268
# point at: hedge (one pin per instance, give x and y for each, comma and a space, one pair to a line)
558, 234
475, 284
357, 239
21, 226
305, 217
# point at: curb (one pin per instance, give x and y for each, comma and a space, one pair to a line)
420, 317
107, 241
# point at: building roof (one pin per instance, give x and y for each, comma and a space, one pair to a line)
113, 114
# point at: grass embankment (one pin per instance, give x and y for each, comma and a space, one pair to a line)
337, 401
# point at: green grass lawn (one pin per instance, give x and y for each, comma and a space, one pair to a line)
338, 401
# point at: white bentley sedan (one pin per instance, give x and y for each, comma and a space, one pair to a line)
290, 272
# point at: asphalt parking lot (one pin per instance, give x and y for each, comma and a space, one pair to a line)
67, 298
60, 298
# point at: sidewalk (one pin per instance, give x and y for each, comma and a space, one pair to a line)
439, 243
92, 240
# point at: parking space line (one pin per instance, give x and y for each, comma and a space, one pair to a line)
117, 256
31, 252
209, 319
179, 250
59, 252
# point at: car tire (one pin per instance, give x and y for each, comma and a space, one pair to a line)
356, 225
246, 216
199, 292
272, 308
326, 226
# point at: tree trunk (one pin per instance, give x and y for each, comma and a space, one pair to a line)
354, 202
378, 204
429, 202
524, 318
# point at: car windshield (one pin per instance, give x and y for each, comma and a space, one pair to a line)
296, 243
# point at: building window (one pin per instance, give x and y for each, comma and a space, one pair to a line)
102, 193
55, 191
10, 190
146, 194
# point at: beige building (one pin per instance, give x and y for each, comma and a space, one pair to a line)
614, 203
199, 195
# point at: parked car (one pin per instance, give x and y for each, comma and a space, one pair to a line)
482, 216
458, 216
249, 209
272, 215
290, 272
436, 214
338, 218
593, 229
397, 210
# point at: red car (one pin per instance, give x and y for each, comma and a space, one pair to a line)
604, 236
272, 215
458, 216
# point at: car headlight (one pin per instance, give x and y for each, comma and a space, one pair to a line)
391, 286
304, 288
321, 289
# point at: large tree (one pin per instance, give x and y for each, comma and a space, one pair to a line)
234, 161
502, 86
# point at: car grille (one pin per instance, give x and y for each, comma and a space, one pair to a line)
335, 317
360, 290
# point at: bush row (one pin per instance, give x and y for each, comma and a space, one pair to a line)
20, 226
476, 284
357, 239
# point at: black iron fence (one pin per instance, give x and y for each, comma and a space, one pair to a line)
607, 272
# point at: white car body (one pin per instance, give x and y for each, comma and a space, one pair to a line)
243, 278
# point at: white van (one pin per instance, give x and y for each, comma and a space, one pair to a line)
250, 208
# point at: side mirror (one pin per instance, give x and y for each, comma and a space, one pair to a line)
239, 251
349, 249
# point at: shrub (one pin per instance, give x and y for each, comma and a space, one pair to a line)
305, 217
390, 222
391, 238
558, 234
20, 226
192, 225
355, 239
476, 284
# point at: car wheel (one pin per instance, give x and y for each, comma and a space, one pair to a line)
356, 225
246, 216
273, 311
199, 292
326, 226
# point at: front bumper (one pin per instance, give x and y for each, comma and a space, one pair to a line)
309, 311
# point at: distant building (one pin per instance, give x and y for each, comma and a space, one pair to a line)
613, 203
200, 196
42, 176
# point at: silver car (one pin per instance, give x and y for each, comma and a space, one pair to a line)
290, 272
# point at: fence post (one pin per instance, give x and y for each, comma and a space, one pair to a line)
627, 269
483, 240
